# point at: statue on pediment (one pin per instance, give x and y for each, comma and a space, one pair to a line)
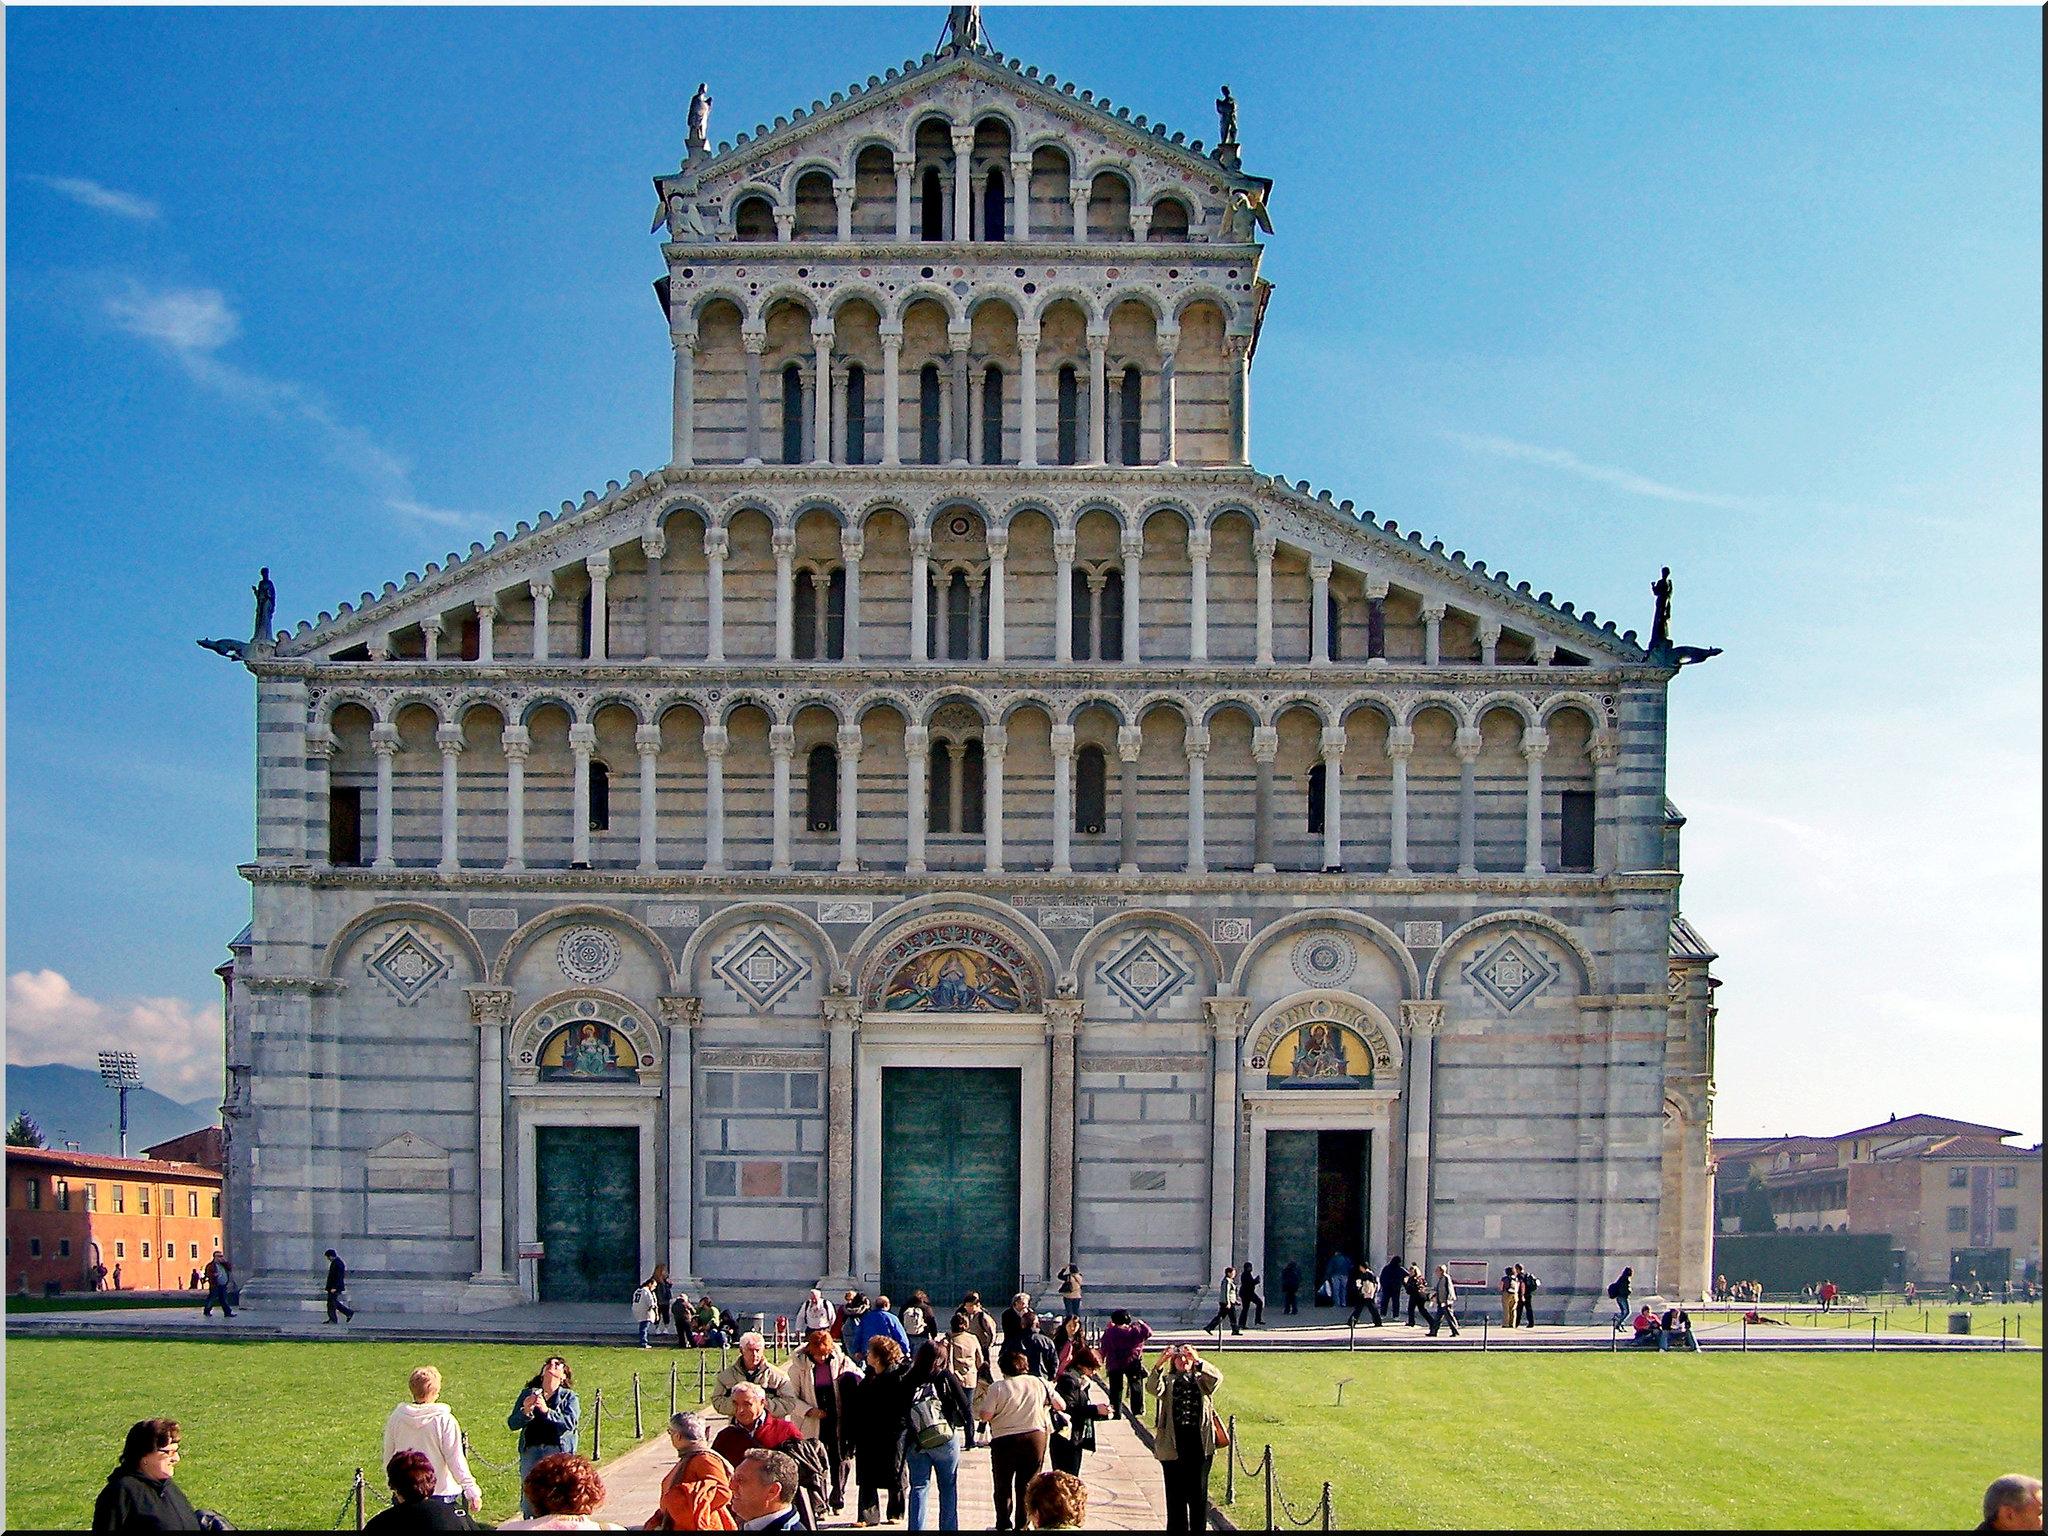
1226, 117
963, 33
698, 139
1660, 621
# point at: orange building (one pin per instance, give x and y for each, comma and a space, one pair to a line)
149, 1222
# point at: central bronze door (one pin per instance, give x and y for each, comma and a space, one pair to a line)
950, 1183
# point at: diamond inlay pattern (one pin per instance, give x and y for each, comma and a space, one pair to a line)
1510, 973
1146, 974
409, 966
761, 968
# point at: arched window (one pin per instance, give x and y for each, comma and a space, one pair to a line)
804, 616
821, 789
928, 414
934, 205
992, 207
754, 220
1169, 221
992, 415
792, 415
345, 824
1070, 417
1091, 790
856, 415
939, 788
1109, 618
959, 618
970, 787
1084, 618
1318, 781
1130, 410
835, 615
583, 622
1575, 832
600, 796
1336, 611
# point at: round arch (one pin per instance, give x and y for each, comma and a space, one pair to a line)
1589, 979
403, 911
1330, 917
590, 912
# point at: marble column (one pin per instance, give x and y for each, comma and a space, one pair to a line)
998, 552
1098, 402
1376, 620
1466, 745
1535, 743
450, 740
849, 799
1239, 349
785, 225
320, 745
1420, 1020
683, 417
995, 742
1197, 747
1226, 1019
905, 164
516, 743
836, 451
1020, 197
1063, 595
1432, 634
582, 742
755, 343
1319, 613
892, 396
963, 185
647, 744
1400, 747
1062, 799
842, 196
1062, 1030
821, 428
1333, 798
1129, 741
490, 1010
784, 544
1263, 547
543, 594
681, 1016
960, 336
920, 592
384, 742
716, 741
1199, 546
781, 747
917, 744
851, 547
599, 569
1606, 753
431, 629
716, 547
1027, 398
653, 545
842, 1033
486, 629
1168, 415
1077, 199
1265, 747
1489, 642
1134, 629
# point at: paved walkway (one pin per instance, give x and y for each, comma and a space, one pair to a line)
1124, 1486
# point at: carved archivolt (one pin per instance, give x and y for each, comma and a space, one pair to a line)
586, 1037
1343, 1011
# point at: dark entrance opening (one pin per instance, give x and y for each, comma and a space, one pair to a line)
950, 1182
1316, 1201
1979, 1266
588, 1192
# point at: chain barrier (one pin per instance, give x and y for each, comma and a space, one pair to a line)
1322, 1512
353, 1499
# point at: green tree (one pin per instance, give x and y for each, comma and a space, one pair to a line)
22, 1131
1757, 1215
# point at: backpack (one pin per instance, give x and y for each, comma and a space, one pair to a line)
813, 1479
1614, 1291
929, 1426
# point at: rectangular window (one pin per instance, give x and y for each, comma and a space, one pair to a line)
1318, 797
120, 1250
1959, 1178
142, 1194
2008, 1178
145, 1249
345, 825
92, 1197
1070, 417
721, 1179
63, 1247
191, 1202
35, 1247
1959, 1218
216, 1212
195, 1249
2008, 1218
120, 1199
34, 1191
1575, 832
63, 1194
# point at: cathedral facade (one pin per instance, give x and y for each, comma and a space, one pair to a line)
958, 818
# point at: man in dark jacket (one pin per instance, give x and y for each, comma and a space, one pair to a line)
1251, 1299
1021, 1332
1528, 1285
1392, 1275
1290, 1287
337, 1282
140, 1495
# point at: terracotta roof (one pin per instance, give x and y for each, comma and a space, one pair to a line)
1956, 1146
1928, 1125
144, 1168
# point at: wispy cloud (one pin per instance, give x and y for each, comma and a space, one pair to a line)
192, 325
178, 1044
1603, 474
90, 194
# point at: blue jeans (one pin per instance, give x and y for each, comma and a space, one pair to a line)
945, 1461
644, 1329
1071, 1305
529, 1456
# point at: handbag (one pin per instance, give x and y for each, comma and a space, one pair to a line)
1221, 1429
929, 1426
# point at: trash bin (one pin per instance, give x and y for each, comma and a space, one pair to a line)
1959, 1322
761, 1324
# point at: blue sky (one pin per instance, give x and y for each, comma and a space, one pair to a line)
1752, 293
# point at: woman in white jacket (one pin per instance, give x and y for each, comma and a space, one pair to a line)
646, 1309
428, 1426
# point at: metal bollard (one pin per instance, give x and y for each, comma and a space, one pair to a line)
596, 1424
1745, 1333
1230, 1465
359, 1498
1268, 1466
700, 1378
1352, 1343
638, 1433
671, 1389
1482, 1333
1329, 1510
1873, 1335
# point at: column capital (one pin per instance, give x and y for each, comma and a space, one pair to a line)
781, 742
681, 341
851, 544
1130, 740
1264, 544
654, 544
1265, 743
380, 647
1466, 743
679, 1013
1027, 337
963, 140
647, 740
1062, 1016
598, 565
487, 607
1226, 1016
892, 335
1489, 631
1334, 741
920, 541
994, 740
1433, 610
450, 740
1237, 347
1319, 569
997, 543
1199, 544
489, 1005
917, 740
434, 624
319, 741
1603, 749
1535, 742
755, 342
1098, 341
1544, 651
541, 591
785, 224
716, 544
904, 162
384, 740
1132, 545
716, 741
1168, 341
1376, 589
1421, 1019
1063, 741
842, 1013
1196, 742
1063, 543
849, 741
841, 187
515, 742
1400, 741
583, 739
822, 329
783, 542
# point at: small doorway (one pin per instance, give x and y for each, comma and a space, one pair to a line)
950, 1177
587, 1180
1316, 1199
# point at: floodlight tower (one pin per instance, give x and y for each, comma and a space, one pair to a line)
118, 1070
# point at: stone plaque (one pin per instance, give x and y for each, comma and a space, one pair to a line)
493, 917
1231, 930
846, 911
1066, 917
673, 914
1422, 935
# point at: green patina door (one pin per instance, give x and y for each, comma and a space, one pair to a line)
1316, 1196
949, 1183
588, 1179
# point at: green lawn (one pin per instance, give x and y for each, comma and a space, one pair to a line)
273, 1432
1619, 1440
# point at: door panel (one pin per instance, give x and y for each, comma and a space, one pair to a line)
950, 1177
1316, 1199
588, 1180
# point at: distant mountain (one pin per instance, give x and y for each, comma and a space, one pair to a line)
72, 1104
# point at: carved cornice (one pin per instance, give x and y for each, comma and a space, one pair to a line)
282, 982
1127, 1064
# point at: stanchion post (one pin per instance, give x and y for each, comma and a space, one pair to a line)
1329, 1512
671, 1389
1230, 1465
700, 1378
1352, 1341
1482, 1333
597, 1424
1745, 1333
638, 1432
359, 1498
1873, 1335
1268, 1465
